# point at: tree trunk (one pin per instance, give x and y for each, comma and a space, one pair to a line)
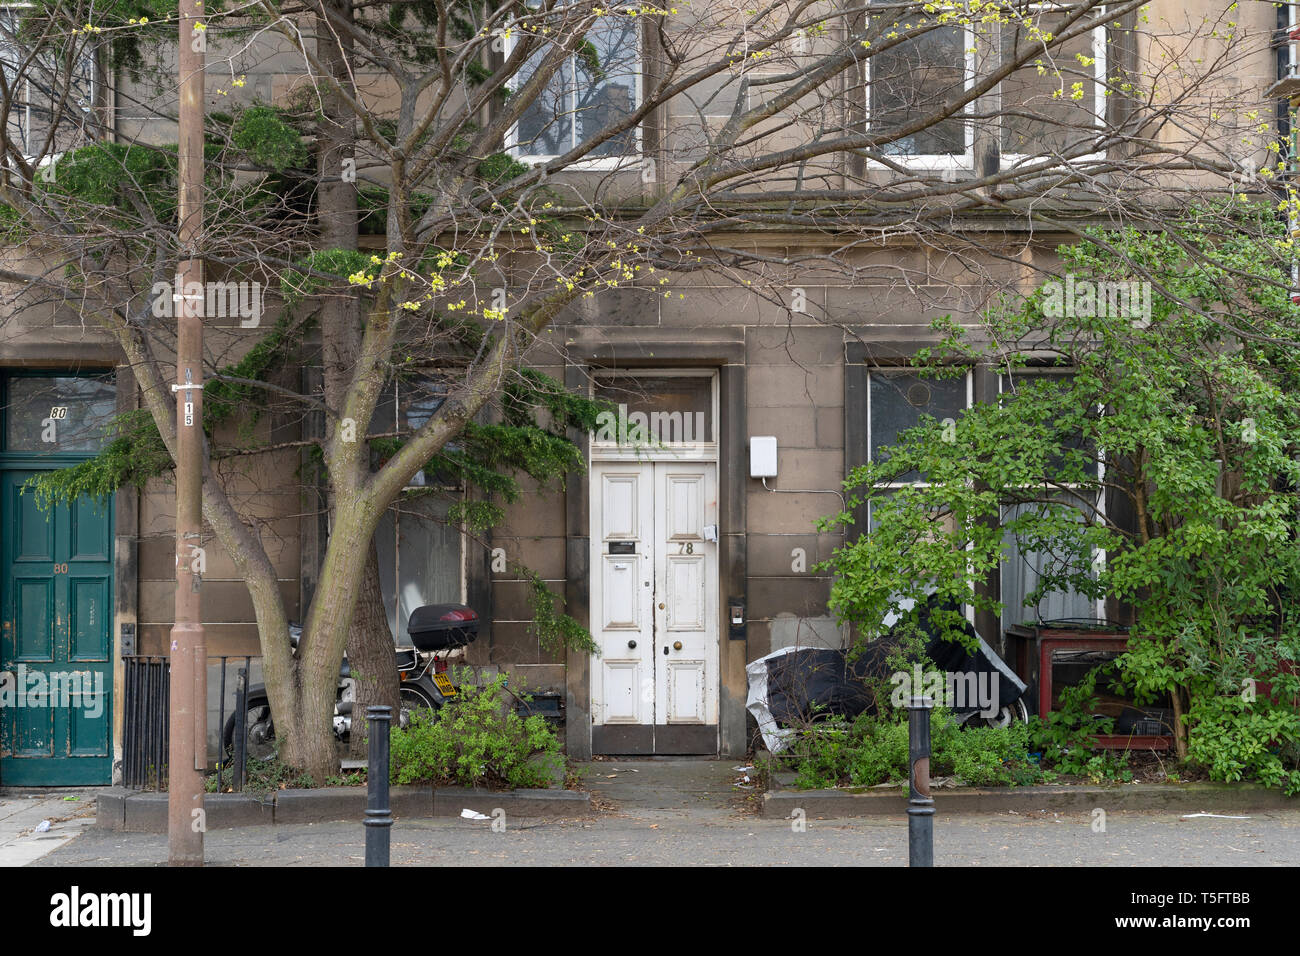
370, 654
1180, 725
307, 742
325, 636
305, 732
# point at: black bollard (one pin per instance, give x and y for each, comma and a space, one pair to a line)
379, 817
920, 806
239, 773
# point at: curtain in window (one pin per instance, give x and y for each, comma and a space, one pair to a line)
1021, 572
419, 560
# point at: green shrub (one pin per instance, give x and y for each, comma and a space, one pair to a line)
874, 750
991, 756
1239, 739
477, 739
880, 754
820, 756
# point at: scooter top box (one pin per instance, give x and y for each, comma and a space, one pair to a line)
437, 627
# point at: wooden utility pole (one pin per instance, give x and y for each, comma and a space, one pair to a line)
188, 754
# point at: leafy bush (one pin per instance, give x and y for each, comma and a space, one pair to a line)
873, 750
477, 739
821, 756
987, 756
1239, 739
881, 754
1194, 419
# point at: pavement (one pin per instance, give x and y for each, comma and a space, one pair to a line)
22, 812
699, 812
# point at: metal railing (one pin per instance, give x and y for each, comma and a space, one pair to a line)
146, 721
145, 724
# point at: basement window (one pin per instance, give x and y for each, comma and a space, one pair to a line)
421, 559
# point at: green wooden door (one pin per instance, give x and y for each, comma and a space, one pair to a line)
56, 673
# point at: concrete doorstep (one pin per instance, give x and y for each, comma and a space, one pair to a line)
1149, 798
135, 811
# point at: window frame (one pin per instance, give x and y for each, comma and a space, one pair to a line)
936, 162
1100, 35
393, 390
623, 162
1099, 555
684, 451
8, 375
968, 375
394, 605
968, 610
89, 56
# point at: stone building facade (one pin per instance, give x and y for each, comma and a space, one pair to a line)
684, 567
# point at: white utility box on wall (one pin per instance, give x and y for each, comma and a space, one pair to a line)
762, 456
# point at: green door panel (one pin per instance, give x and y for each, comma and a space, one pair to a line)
91, 536
56, 586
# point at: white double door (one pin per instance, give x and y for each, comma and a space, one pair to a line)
654, 606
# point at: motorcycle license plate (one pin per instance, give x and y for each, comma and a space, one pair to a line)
444, 685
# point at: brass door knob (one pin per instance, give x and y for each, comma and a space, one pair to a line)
661, 606
677, 645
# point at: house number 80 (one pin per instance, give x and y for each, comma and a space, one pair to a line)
60, 569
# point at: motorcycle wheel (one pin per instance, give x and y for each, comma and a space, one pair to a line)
1015, 712
413, 699
260, 733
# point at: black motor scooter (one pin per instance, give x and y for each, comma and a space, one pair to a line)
436, 630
